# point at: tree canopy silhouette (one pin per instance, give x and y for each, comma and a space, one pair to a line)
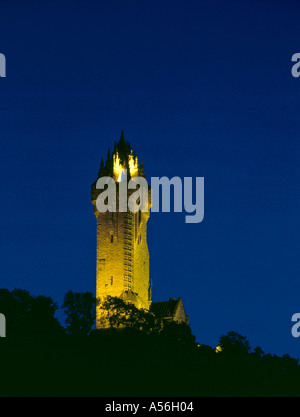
234, 344
28, 315
80, 311
117, 313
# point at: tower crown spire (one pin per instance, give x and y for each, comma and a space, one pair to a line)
122, 158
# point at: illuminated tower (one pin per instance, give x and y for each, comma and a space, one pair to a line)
122, 250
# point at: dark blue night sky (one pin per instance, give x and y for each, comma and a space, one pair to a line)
201, 88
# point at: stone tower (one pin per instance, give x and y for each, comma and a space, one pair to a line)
122, 250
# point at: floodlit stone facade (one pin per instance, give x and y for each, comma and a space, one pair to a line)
122, 250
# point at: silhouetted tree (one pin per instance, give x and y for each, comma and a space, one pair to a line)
234, 343
29, 315
118, 314
80, 311
257, 352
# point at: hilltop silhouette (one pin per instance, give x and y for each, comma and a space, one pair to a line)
136, 357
